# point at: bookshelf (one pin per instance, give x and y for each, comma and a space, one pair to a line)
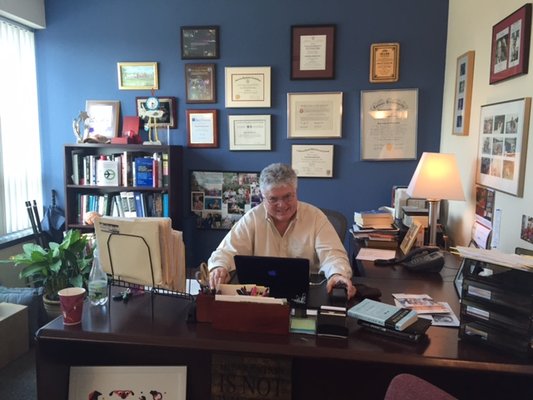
90, 186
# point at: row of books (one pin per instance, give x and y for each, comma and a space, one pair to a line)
387, 238
123, 204
122, 169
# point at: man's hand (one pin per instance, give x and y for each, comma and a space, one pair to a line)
339, 279
217, 276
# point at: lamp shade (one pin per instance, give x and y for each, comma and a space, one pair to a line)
436, 178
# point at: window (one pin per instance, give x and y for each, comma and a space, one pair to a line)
20, 157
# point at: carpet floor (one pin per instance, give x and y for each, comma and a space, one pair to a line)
17, 379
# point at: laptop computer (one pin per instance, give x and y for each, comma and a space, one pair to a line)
285, 277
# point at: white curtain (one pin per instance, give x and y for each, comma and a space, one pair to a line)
20, 157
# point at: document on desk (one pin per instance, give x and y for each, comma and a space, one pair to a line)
370, 254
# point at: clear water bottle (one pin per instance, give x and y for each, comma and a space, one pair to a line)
98, 294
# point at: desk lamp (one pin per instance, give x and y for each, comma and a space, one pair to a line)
436, 178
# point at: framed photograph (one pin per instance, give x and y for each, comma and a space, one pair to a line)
510, 45
389, 124
410, 237
138, 76
247, 87
249, 132
199, 42
202, 128
314, 161
200, 83
384, 62
224, 195
166, 104
464, 76
314, 115
103, 117
502, 149
313, 52
122, 382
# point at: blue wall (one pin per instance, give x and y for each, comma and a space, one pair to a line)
78, 51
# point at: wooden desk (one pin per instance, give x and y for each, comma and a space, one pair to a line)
361, 367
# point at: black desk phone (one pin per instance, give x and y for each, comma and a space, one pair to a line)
421, 259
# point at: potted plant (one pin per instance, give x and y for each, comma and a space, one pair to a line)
59, 266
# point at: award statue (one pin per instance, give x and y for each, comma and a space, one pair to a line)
81, 119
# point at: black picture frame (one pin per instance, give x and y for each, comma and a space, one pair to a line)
199, 42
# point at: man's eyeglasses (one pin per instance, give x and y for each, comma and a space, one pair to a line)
285, 199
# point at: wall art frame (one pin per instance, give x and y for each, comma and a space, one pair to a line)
314, 115
202, 128
166, 104
200, 83
103, 117
227, 196
384, 62
200, 42
138, 76
313, 52
389, 124
247, 87
464, 78
249, 132
504, 128
510, 45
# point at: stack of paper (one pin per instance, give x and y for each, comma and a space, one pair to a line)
516, 261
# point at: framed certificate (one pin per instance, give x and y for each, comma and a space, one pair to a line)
314, 115
249, 132
200, 83
247, 87
313, 52
313, 160
389, 124
384, 62
202, 128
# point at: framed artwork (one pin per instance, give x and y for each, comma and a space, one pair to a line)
314, 115
200, 83
249, 132
384, 62
313, 52
464, 76
122, 382
199, 42
138, 76
227, 196
510, 45
313, 161
166, 104
389, 124
247, 86
410, 237
502, 149
202, 128
103, 117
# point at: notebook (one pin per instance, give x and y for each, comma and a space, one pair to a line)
285, 277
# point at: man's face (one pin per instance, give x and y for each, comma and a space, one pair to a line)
281, 202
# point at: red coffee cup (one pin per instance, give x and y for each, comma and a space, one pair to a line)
71, 300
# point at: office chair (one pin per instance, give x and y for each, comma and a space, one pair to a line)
410, 387
338, 220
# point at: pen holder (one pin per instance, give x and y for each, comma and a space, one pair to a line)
204, 307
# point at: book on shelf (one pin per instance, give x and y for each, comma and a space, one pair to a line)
107, 172
144, 171
415, 332
383, 314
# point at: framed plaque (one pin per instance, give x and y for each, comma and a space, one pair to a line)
200, 84
199, 42
313, 52
384, 62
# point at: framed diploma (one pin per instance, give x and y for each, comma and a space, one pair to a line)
200, 83
313, 52
313, 160
314, 115
249, 132
384, 62
202, 128
247, 87
389, 124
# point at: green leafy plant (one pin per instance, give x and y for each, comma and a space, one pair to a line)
61, 265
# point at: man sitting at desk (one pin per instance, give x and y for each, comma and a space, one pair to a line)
282, 226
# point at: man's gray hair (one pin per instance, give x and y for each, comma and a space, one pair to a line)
277, 174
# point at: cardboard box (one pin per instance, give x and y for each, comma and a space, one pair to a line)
13, 331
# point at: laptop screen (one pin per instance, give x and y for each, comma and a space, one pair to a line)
285, 277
